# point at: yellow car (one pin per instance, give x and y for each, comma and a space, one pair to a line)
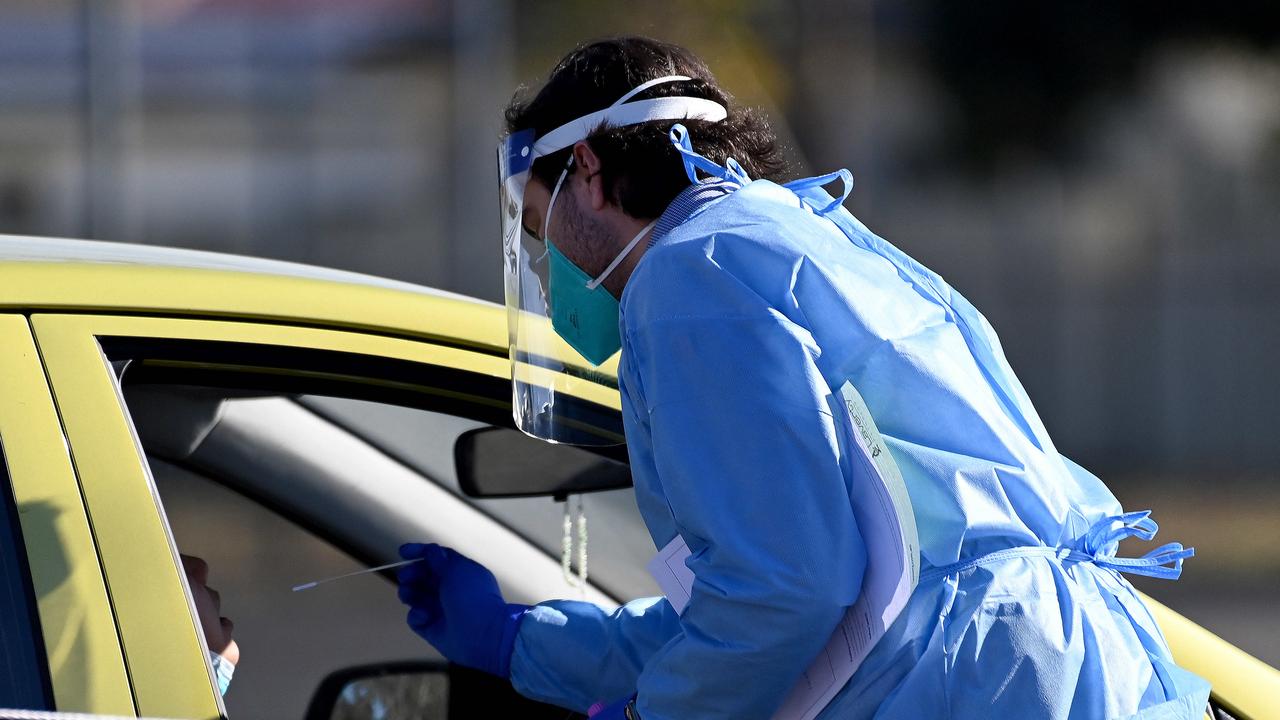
286, 424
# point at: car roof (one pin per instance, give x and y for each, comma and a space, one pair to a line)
60, 275
17, 248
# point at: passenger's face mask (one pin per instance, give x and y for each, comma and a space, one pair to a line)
583, 311
223, 669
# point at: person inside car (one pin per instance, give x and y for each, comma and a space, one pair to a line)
224, 653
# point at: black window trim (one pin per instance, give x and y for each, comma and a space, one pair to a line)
275, 368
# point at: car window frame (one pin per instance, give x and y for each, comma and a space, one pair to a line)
84, 655
166, 657
168, 666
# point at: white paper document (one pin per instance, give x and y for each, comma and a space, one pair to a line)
887, 523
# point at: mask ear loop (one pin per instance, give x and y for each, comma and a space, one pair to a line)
546, 221
622, 255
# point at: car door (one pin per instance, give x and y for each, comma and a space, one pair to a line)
86, 357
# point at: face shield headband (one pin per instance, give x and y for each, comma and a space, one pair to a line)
543, 365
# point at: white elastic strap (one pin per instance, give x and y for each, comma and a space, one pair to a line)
646, 85
546, 221
621, 256
632, 113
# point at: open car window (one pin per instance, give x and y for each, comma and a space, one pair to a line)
278, 465
272, 495
288, 641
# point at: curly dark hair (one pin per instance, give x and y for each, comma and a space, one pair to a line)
641, 171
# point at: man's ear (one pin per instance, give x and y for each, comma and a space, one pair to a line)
586, 159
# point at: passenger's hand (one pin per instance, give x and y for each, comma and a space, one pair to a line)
217, 629
455, 605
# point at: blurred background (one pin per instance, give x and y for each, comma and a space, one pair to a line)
1101, 179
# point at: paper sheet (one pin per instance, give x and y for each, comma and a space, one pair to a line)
885, 518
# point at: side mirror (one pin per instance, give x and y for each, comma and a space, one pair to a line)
385, 691
423, 690
499, 462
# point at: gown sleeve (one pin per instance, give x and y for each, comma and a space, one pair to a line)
573, 653
747, 455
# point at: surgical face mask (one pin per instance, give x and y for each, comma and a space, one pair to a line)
583, 311
223, 669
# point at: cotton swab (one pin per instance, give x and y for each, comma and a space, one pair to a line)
388, 566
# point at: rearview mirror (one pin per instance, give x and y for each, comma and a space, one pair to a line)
499, 462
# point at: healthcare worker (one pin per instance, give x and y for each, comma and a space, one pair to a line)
640, 214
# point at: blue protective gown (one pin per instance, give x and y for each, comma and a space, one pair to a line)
737, 325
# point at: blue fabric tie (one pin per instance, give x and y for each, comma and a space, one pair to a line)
843, 175
1099, 547
693, 162
1103, 539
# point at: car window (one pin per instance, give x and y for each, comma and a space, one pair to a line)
24, 681
271, 494
220, 402
288, 641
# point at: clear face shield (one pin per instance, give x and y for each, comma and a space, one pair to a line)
558, 395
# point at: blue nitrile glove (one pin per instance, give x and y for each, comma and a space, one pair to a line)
455, 605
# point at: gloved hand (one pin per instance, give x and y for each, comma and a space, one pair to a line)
455, 605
